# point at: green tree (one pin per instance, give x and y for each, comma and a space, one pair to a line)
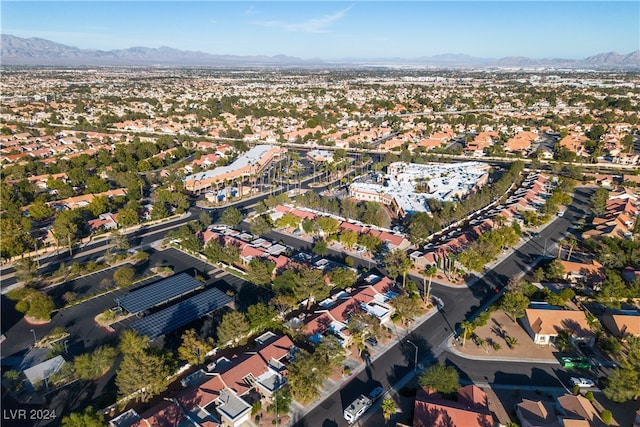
421, 226
88, 418
261, 317
90, 366
514, 304
36, 304
406, 307
305, 377
563, 340
320, 247
371, 242
40, 210
96, 185
128, 216
26, 270
260, 225
396, 262
388, 409
329, 354
234, 328
349, 238
66, 227
328, 225
204, 219
598, 201
467, 328
232, 217
343, 277
259, 271
143, 371
429, 272
193, 349
99, 205
512, 342
143, 375
124, 276
623, 385
441, 378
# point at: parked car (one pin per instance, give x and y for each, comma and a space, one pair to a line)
576, 362
372, 340
438, 302
582, 382
376, 393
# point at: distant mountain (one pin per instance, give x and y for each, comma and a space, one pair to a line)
36, 51
614, 59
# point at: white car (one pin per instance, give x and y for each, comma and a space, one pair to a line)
582, 382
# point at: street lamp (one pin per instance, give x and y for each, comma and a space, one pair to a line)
415, 360
35, 340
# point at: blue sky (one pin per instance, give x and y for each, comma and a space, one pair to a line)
333, 30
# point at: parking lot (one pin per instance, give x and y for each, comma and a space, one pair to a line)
78, 320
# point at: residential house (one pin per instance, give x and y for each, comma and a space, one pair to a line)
544, 325
567, 411
226, 393
622, 324
533, 413
592, 272
471, 409
574, 409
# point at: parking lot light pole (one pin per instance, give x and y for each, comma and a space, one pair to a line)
35, 340
415, 360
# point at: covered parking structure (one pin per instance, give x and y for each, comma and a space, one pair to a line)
158, 293
183, 313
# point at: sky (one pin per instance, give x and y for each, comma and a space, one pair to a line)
334, 29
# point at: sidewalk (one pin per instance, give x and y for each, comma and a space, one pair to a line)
499, 326
298, 411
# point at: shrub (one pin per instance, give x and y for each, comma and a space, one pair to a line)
607, 416
256, 407
589, 396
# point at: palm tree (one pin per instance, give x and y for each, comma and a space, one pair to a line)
572, 243
406, 265
561, 243
467, 327
563, 340
388, 409
512, 342
429, 271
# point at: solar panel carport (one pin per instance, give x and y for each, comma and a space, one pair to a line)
158, 293
178, 315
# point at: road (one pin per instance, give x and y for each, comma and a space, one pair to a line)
431, 336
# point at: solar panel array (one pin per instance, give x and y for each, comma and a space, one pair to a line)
158, 293
178, 315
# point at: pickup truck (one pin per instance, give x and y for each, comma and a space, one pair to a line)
359, 406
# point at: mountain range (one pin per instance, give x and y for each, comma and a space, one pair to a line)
35, 51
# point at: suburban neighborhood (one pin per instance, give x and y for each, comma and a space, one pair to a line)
200, 247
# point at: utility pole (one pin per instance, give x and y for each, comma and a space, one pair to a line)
415, 360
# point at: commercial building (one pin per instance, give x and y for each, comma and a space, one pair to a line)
250, 163
407, 186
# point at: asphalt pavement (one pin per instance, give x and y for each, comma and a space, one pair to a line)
431, 336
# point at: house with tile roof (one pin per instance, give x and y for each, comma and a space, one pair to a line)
532, 413
224, 395
544, 325
622, 324
471, 409
592, 272
567, 411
